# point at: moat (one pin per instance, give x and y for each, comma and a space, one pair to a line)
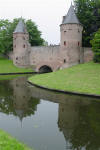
46, 120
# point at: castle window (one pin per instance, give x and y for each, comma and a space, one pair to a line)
15, 46
64, 60
23, 38
78, 43
16, 58
24, 46
65, 43
65, 31
78, 30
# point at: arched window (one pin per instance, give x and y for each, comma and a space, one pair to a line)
78, 43
24, 46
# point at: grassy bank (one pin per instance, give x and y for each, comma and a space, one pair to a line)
9, 143
84, 78
6, 66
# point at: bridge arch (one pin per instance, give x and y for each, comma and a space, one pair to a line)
45, 69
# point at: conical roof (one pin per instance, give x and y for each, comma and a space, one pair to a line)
71, 17
20, 28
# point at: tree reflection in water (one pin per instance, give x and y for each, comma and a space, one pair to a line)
16, 99
78, 117
80, 124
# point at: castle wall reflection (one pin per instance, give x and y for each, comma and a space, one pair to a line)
78, 118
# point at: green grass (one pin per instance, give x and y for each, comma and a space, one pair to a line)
9, 143
83, 78
6, 66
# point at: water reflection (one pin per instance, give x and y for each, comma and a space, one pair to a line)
78, 117
16, 99
80, 124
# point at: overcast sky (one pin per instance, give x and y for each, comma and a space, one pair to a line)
47, 14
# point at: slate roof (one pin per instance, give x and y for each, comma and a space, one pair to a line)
20, 28
71, 17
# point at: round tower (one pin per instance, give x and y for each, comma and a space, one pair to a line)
71, 38
21, 46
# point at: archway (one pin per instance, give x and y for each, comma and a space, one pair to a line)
45, 69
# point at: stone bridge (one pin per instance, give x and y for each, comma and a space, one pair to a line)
45, 59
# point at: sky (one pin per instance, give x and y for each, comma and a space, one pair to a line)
47, 14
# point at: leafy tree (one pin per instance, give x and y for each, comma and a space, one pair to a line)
34, 34
6, 34
96, 46
88, 12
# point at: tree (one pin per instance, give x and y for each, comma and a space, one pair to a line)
96, 46
34, 34
88, 12
6, 34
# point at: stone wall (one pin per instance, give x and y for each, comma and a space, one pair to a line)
10, 55
21, 49
88, 54
45, 55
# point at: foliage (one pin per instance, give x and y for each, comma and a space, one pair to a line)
6, 66
88, 12
6, 34
83, 78
34, 34
96, 46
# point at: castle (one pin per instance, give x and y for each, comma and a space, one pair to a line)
51, 58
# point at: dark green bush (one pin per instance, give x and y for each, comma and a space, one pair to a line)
96, 46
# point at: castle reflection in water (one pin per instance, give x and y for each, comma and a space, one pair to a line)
78, 117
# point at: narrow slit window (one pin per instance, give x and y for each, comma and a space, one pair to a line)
64, 60
64, 43
24, 46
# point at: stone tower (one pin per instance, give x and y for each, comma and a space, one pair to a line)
71, 38
21, 46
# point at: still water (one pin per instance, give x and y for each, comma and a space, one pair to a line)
46, 120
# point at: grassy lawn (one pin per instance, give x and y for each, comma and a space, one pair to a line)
6, 66
9, 143
84, 78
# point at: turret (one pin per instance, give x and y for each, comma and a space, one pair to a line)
71, 37
21, 45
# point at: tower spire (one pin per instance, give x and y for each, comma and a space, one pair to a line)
71, 17
20, 28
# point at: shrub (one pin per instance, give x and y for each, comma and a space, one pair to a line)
96, 46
